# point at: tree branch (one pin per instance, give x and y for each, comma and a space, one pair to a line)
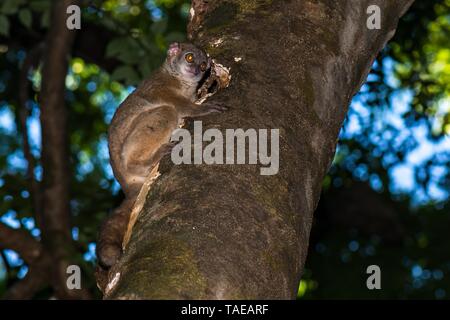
34, 281
20, 241
90, 43
33, 253
55, 157
32, 60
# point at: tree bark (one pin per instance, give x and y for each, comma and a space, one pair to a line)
225, 231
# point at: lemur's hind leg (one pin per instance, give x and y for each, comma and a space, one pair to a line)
165, 149
109, 245
143, 148
113, 230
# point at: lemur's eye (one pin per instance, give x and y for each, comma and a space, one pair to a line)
189, 57
203, 67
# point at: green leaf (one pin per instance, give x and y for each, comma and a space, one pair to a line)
146, 67
45, 19
25, 17
114, 47
126, 73
175, 37
125, 49
10, 6
159, 26
4, 25
39, 5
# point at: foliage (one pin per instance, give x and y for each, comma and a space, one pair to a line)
396, 140
141, 31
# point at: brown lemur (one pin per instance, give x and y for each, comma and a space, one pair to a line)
140, 131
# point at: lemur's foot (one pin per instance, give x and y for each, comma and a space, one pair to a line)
108, 254
109, 244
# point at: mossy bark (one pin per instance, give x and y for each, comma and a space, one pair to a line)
225, 231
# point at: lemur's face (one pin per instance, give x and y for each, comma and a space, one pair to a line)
188, 61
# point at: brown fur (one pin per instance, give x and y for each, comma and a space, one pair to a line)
140, 132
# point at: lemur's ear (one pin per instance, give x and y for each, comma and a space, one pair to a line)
174, 49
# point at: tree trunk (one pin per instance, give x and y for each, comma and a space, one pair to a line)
225, 231
56, 227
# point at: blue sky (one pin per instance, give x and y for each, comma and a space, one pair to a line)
402, 174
